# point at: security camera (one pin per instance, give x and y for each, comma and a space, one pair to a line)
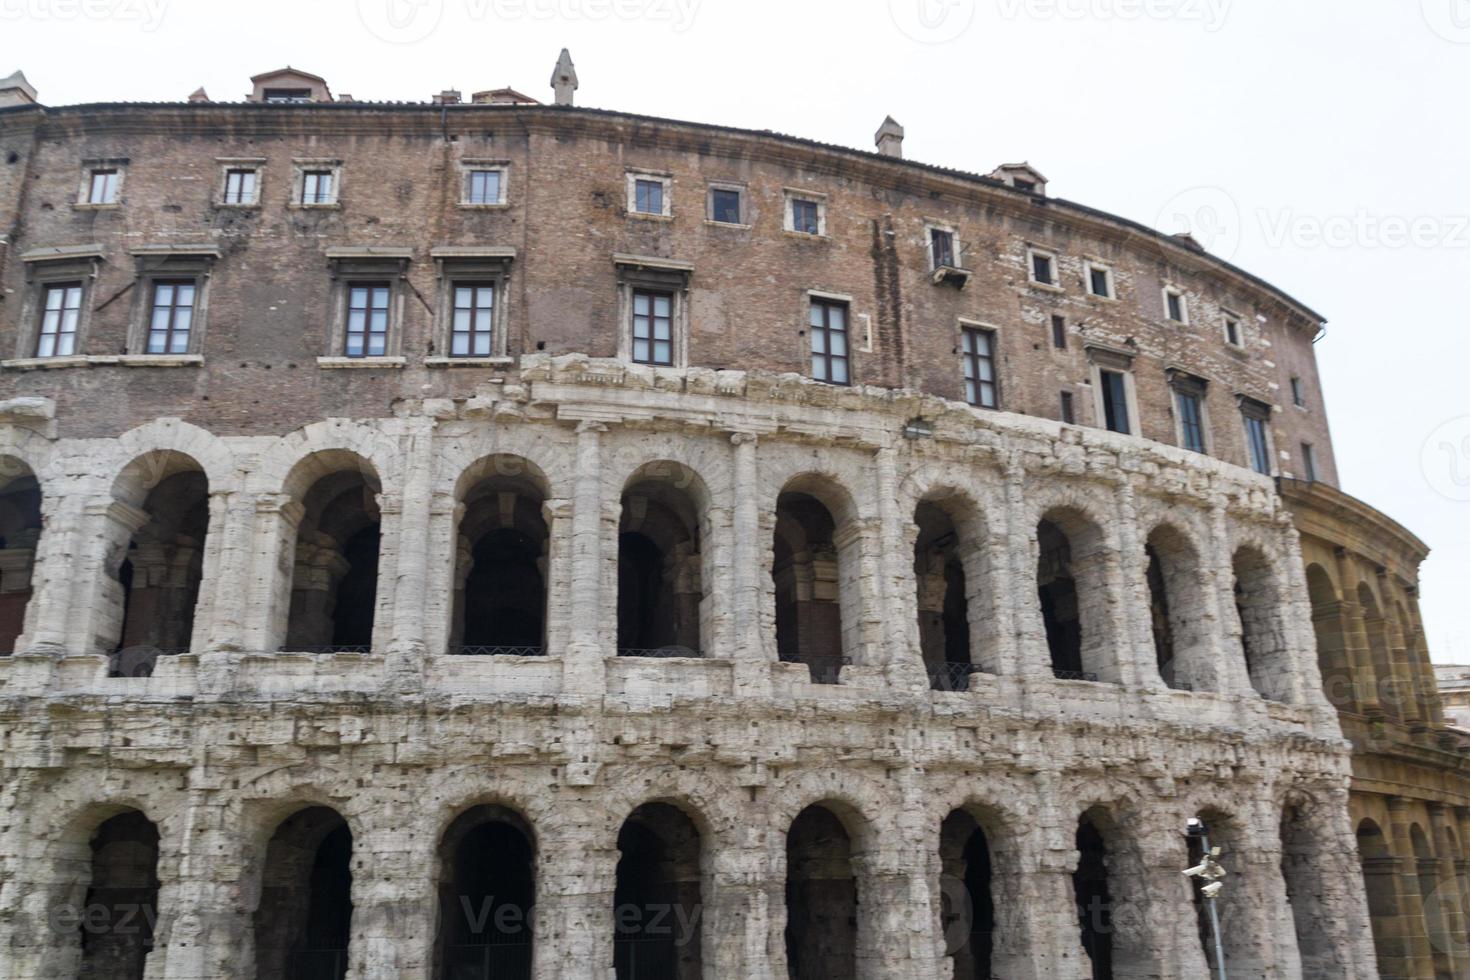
1212, 889
1198, 869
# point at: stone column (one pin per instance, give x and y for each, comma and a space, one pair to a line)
1136, 651
1221, 562
1036, 931
744, 891
1033, 659
556, 572
1163, 913
1451, 908
200, 918
1355, 639
583, 673
408, 588
1462, 867
272, 564
752, 650
1406, 686
395, 903
1432, 710
894, 583
49, 614
897, 934
575, 882
1411, 906
859, 543
97, 596
221, 617
1302, 642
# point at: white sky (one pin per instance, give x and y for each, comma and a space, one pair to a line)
1309, 139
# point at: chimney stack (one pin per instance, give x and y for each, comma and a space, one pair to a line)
15, 90
199, 95
890, 138
564, 78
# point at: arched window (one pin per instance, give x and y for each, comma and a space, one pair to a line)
1389, 693
943, 600
487, 891
304, 919
657, 906
504, 544
660, 564
1094, 897
814, 569
121, 903
1436, 928
160, 572
1332, 657
1071, 582
1177, 611
1262, 635
1380, 883
968, 914
335, 581
821, 898
20, 532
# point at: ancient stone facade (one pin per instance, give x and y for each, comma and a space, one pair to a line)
343, 646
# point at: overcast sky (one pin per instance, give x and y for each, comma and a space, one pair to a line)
1321, 144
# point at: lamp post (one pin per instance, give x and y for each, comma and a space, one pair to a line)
1211, 873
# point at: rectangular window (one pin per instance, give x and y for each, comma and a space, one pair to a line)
367, 319
979, 353
1100, 281
1174, 305
172, 316
1043, 269
61, 310
316, 187
484, 187
1257, 436
1115, 401
1191, 421
103, 187
1309, 461
829, 341
805, 217
1059, 332
239, 187
653, 327
280, 95
724, 206
472, 330
1232, 331
1069, 414
648, 196
941, 248
1298, 396
1029, 186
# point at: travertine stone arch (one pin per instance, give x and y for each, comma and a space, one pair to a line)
1260, 628
1328, 920
1192, 617
1137, 907
24, 571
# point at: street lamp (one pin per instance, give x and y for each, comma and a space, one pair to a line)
1211, 873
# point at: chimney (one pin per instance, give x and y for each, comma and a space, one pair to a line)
890, 138
15, 90
199, 95
564, 78
448, 97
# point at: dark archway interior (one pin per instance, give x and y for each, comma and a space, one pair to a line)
969, 907
805, 571
821, 899
504, 544
20, 531
1158, 604
659, 574
304, 920
161, 573
657, 905
1094, 898
335, 583
487, 895
1380, 871
1057, 591
122, 901
943, 601
1332, 655
1436, 929
1303, 859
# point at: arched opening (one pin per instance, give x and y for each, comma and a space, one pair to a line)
660, 566
968, 914
20, 532
943, 600
487, 890
811, 571
1376, 628
1071, 584
1332, 656
504, 546
1435, 925
121, 906
1093, 893
657, 907
335, 583
304, 919
1225, 833
158, 572
1262, 636
1303, 862
821, 898
1177, 611
1380, 876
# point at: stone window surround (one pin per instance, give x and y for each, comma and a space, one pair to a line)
50, 266
640, 272
1101, 358
299, 168
632, 176
970, 323
488, 266
1252, 407
932, 225
371, 263
467, 166
1170, 289
739, 187
1227, 317
84, 189
1089, 265
226, 164
788, 214
1191, 384
853, 347
1032, 251
170, 262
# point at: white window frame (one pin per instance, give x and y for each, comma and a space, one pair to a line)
1100, 360
823, 296
301, 167
648, 274
930, 227
227, 164
469, 167
1228, 318
966, 323
56, 270
790, 195
1245, 415
84, 191
709, 205
1032, 252
666, 179
1198, 388
1091, 265
493, 270
1172, 290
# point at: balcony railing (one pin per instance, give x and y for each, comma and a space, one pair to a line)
1075, 675
668, 652
951, 676
338, 648
494, 651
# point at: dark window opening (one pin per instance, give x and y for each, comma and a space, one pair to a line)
829, 342
657, 905
1232, 332
1298, 395
304, 920
1043, 269
1158, 606
172, 316
1069, 413
486, 897
979, 361
1094, 899
334, 584
659, 571
1175, 306
943, 603
821, 899
805, 217
20, 533
653, 327
504, 543
724, 206
1059, 332
941, 248
367, 319
1101, 282
806, 574
279, 95
1028, 186
1309, 461
1191, 420
122, 900
1257, 436
1057, 591
967, 904
1115, 401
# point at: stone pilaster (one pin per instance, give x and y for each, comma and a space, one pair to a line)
583, 673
